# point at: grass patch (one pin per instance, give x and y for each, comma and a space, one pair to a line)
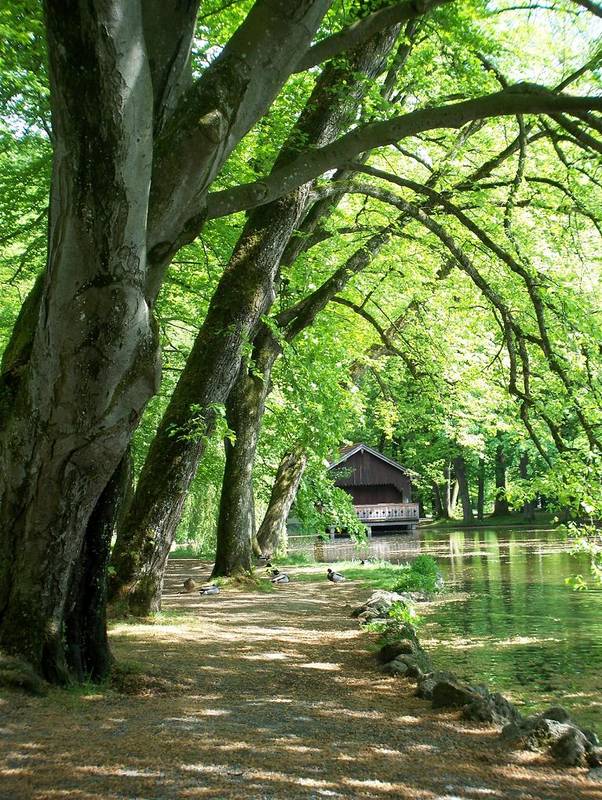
420, 575
378, 575
129, 677
166, 617
250, 582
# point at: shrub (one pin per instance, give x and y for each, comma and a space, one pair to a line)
422, 575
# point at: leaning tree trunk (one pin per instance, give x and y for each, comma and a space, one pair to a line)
500, 505
464, 491
244, 413
235, 525
481, 489
286, 483
68, 410
145, 538
143, 544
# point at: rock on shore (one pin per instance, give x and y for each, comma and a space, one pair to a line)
402, 655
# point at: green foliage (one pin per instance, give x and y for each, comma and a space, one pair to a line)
420, 575
586, 538
402, 619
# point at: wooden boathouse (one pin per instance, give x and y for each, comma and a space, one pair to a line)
381, 489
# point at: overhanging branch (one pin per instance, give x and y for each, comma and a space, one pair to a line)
520, 99
364, 29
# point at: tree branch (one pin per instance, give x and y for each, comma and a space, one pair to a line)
595, 8
364, 29
520, 99
384, 336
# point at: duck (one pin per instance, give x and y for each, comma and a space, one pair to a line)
273, 571
335, 577
189, 586
212, 589
280, 577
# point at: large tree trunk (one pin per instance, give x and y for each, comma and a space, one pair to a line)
500, 505
143, 544
244, 413
88, 653
464, 491
68, 412
83, 360
481, 489
286, 483
145, 538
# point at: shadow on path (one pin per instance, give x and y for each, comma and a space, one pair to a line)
270, 696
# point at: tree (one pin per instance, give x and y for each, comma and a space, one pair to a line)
139, 139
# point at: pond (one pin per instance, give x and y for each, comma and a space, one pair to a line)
507, 618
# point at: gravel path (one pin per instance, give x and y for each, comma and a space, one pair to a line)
259, 696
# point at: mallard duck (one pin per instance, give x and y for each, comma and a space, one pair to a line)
335, 577
189, 585
280, 577
213, 589
273, 571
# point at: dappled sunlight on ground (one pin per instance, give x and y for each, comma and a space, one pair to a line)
270, 695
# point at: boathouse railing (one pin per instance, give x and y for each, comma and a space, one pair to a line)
387, 512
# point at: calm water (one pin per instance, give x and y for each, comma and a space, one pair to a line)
507, 619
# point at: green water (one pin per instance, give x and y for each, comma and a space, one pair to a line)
506, 618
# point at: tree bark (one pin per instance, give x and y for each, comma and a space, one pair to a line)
451, 492
500, 505
71, 412
438, 510
463, 488
286, 484
244, 412
481, 489
88, 654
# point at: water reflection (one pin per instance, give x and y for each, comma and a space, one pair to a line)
507, 618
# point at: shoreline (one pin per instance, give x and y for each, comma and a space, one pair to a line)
551, 732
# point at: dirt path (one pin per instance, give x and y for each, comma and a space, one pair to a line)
270, 696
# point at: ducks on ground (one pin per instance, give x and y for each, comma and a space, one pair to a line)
212, 589
280, 577
333, 576
189, 586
